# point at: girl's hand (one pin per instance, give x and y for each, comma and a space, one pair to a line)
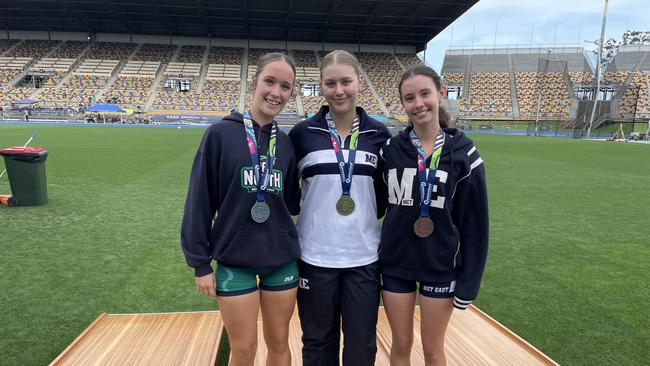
205, 285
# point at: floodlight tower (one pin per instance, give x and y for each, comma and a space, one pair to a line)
647, 132
599, 57
539, 89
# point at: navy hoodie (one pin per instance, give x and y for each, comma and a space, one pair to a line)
222, 183
457, 249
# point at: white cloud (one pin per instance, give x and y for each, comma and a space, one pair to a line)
576, 21
547, 6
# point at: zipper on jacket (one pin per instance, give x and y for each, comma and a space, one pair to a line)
411, 261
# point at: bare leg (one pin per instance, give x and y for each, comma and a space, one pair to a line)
239, 315
399, 310
435, 317
277, 308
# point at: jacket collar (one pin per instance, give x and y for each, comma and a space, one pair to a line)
319, 121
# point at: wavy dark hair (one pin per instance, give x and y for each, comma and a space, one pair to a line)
421, 69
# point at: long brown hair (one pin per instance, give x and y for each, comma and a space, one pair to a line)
443, 117
272, 57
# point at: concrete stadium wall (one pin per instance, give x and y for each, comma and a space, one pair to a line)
521, 61
626, 61
646, 65
488, 63
531, 62
513, 49
454, 63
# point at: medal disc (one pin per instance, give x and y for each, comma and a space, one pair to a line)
260, 212
345, 205
423, 227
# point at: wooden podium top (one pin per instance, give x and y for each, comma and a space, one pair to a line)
147, 339
473, 338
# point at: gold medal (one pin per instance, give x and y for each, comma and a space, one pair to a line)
345, 205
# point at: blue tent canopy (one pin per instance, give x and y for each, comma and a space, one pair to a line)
105, 108
24, 102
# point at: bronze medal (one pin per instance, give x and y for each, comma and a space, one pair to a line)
345, 205
423, 227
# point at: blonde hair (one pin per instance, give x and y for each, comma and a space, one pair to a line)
340, 57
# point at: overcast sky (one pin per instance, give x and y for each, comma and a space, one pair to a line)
515, 21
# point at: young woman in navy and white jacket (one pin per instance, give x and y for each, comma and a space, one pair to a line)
435, 233
338, 228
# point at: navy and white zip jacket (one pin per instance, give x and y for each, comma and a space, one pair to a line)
457, 249
222, 182
328, 239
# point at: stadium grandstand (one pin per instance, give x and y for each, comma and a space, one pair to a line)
532, 84
170, 66
185, 62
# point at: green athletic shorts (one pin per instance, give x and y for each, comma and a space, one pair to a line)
232, 281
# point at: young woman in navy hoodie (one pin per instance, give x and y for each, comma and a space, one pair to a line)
435, 232
243, 190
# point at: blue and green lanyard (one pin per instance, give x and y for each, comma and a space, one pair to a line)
346, 170
427, 181
261, 179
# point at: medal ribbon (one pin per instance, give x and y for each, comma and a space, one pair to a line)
427, 181
346, 170
263, 181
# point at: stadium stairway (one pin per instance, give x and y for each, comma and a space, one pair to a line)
318, 60
513, 87
573, 108
194, 338
204, 69
399, 62
54, 49
452, 106
72, 68
299, 107
369, 85
12, 83
630, 76
244, 81
177, 52
466, 79
160, 74
8, 50
65, 78
116, 72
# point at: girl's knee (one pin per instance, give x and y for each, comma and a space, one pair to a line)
277, 346
243, 354
402, 345
434, 356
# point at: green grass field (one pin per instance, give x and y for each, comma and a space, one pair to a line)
568, 269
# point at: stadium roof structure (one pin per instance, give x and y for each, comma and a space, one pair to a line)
399, 22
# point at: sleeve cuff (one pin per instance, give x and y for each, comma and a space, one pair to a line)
461, 304
202, 270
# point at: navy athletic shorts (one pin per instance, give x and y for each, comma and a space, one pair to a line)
436, 290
